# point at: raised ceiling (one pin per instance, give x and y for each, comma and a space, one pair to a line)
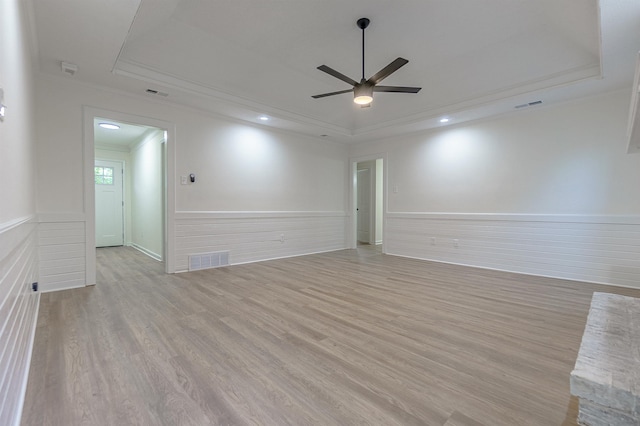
245, 58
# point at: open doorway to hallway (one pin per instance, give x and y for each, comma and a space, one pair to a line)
369, 201
129, 183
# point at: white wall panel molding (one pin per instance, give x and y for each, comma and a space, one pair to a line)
258, 236
182, 215
61, 217
594, 248
151, 254
61, 249
13, 234
6, 226
561, 218
18, 311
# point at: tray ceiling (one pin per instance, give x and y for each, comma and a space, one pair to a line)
244, 58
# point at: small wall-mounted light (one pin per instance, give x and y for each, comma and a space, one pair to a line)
3, 107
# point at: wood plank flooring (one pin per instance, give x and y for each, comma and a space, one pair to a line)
344, 338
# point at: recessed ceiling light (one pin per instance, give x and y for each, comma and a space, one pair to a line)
444, 120
264, 118
109, 126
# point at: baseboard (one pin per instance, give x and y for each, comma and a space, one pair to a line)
151, 254
277, 258
48, 288
513, 271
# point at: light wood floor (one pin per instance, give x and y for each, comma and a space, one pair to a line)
344, 338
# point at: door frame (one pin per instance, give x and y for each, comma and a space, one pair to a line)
88, 155
352, 236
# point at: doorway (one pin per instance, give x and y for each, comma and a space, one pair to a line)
147, 161
141, 148
368, 196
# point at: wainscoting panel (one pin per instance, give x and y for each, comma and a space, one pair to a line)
18, 312
599, 249
62, 254
252, 237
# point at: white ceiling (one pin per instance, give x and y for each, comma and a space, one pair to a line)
245, 58
122, 139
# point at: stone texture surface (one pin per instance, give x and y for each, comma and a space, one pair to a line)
593, 414
606, 376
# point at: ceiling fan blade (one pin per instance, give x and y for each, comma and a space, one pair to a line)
387, 71
397, 89
337, 75
324, 95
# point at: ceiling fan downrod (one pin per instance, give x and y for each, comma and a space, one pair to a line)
362, 24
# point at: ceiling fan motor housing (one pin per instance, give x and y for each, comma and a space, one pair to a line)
363, 23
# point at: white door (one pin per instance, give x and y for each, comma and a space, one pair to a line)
109, 203
364, 204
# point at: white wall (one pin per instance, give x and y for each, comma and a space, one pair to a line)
18, 224
147, 208
547, 191
243, 173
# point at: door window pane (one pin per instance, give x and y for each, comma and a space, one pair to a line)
103, 175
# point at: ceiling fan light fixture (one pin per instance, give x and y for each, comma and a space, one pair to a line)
363, 95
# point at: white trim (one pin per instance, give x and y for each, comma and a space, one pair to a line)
186, 215
149, 74
145, 139
514, 271
27, 370
519, 217
272, 258
60, 217
154, 256
7, 226
51, 287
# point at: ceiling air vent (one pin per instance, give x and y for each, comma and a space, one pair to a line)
528, 104
156, 92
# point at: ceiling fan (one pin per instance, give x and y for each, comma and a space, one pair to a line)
363, 91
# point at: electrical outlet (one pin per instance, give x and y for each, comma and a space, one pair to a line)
183, 180
282, 238
433, 241
455, 243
